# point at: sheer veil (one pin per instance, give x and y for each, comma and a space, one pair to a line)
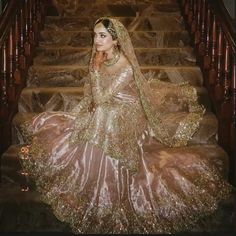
172, 110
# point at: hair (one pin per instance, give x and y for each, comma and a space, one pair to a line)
109, 27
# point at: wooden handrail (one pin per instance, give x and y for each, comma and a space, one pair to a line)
213, 36
20, 24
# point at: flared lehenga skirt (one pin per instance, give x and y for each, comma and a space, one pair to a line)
95, 193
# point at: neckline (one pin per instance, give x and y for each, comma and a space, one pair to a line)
113, 60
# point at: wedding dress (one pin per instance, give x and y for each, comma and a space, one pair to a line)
133, 162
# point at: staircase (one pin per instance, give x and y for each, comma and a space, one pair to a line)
55, 81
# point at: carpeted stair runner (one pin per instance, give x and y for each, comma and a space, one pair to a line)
55, 82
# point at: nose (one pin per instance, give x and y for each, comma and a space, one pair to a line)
96, 40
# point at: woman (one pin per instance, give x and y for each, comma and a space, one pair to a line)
121, 160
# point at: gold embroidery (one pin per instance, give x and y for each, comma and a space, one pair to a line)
117, 127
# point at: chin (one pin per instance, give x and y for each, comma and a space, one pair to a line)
99, 49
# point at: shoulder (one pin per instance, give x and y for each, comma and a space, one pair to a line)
123, 60
124, 63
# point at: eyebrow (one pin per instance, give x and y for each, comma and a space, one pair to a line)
101, 32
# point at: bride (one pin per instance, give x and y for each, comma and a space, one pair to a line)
125, 159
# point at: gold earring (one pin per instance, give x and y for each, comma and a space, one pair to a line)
115, 49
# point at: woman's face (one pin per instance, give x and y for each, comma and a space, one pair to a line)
102, 38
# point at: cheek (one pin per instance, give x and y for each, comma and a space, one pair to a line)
108, 43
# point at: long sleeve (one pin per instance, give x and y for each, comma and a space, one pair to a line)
103, 94
87, 99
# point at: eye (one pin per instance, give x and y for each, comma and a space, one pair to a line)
103, 36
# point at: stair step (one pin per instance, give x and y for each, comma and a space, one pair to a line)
25, 212
63, 76
99, 9
10, 158
128, 2
16, 177
49, 98
38, 99
148, 39
159, 23
14, 192
12, 168
206, 133
146, 56
17, 138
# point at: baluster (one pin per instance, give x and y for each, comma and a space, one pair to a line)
11, 86
25, 20
201, 46
22, 41
198, 24
39, 13
27, 45
190, 12
233, 107
194, 22
17, 72
207, 58
226, 71
212, 72
4, 102
35, 22
218, 87
31, 31
186, 7
225, 111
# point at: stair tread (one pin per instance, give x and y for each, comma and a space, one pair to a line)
53, 89
77, 48
160, 22
124, 1
145, 67
25, 212
45, 47
63, 98
71, 17
71, 31
29, 115
146, 56
79, 89
13, 149
147, 39
10, 159
116, 8
72, 75
14, 192
206, 133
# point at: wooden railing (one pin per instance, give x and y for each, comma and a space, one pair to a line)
20, 24
213, 36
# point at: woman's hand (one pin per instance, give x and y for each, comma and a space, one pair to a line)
98, 59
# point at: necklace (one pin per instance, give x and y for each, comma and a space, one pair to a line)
113, 60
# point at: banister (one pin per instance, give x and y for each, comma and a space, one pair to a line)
225, 20
212, 33
20, 24
7, 18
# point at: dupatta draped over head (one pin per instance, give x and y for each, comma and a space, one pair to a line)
172, 110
